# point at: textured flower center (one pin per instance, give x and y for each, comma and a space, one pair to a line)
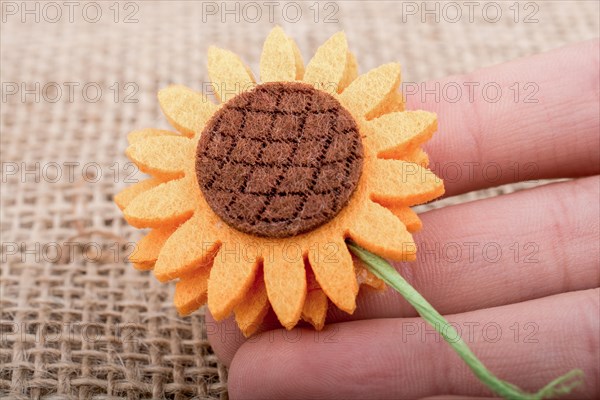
279, 160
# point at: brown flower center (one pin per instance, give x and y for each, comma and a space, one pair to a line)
279, 160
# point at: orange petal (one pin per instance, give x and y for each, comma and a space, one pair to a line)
381, 232
162, 156
228, 74
417, 156
408, 217
187, 249
326, 70
231, 276
185, 109
368, 93
333, 268
139, 134
143, 266
285, 278
169, 203
125, 197
315, 308
402, 182
396, 133
147, 249
278, 60
190, 291
250, 313
366, 277
311, 281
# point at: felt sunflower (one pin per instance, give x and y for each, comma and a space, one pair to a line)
251, 201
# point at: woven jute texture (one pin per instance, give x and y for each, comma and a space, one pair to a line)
77, 321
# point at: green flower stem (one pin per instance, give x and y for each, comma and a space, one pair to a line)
381, 268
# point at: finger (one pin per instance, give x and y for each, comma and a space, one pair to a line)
379, 359
225, 336
492, 252
497, 251
549, 131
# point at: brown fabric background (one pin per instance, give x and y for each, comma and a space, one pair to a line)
85, 324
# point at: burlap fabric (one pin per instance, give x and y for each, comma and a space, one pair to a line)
77, 320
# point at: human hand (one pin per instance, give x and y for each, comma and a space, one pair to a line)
517, 275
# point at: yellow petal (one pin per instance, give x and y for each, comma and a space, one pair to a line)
332, 265
148, 248
250, 313
231, 276
326, 70
186, 110
350, 73
139, 134
408, 217
393, 103
298, 60
402, 182
190, 247
382, 233
315, 308
228, 74
191, 291
395, 133
371, 91
161, 156
169, 203
278, 60
285, 278
125, 197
